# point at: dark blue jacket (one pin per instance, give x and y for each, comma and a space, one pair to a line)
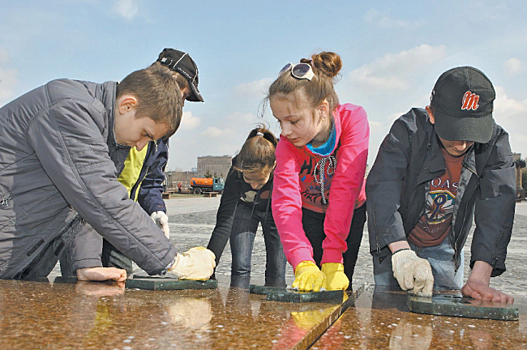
152, 187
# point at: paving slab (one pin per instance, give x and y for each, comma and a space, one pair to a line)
460, 306
163, 283
381, 320
293, 296
263, 290
95, 315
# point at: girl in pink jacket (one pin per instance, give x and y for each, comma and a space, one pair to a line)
318, 195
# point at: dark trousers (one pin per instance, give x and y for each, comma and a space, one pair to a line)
313, 224
111, 257
242, 237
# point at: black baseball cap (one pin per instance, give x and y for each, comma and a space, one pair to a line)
182, 63
463, 101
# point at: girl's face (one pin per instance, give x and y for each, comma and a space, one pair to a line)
257, 179
297, 123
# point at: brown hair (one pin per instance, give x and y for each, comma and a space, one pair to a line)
158, 95
258, 151
326, 66
180, 79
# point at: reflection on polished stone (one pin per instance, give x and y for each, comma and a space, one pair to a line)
91, 315
460, 306
381, 320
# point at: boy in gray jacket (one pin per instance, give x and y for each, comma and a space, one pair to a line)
62, 147
435, 170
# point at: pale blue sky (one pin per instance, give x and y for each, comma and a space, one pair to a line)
392, 54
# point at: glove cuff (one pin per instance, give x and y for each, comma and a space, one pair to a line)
304, 264
172, 269
400, 250
331, 268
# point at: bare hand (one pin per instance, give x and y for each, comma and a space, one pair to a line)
481, 291
99, 289
102, 274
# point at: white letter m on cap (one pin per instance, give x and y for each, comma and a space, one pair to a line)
470, 101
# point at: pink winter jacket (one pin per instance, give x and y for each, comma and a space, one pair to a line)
295, 187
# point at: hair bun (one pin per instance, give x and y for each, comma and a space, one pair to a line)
327, 63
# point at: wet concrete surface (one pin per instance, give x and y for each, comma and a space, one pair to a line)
381, 320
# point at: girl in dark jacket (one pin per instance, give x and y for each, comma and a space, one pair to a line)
246, 202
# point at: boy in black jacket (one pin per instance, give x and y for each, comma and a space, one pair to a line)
434, 170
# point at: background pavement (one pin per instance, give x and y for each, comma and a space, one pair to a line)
192, 221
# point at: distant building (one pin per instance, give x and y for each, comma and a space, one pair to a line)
175, 177
217, 166
520, 169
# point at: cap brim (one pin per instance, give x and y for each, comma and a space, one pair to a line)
475, 129
195, 96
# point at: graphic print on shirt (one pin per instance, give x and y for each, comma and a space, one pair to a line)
249, 196
311, 184
440, 203
435, 223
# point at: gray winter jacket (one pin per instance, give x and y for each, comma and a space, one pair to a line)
57, 152
398, 183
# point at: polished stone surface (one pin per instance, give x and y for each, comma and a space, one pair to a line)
91, 315
191, 222
462, 306
381, 320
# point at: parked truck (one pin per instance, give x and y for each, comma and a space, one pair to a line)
200, 185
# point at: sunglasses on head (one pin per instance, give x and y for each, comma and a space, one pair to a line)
299, 70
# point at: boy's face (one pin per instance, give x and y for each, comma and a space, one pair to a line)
132, 131
454, 148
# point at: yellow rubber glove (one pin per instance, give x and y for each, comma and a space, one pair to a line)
308, 277
195, 264
310, 318
336, 279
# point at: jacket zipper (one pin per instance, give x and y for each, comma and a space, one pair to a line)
457, 264
378, 246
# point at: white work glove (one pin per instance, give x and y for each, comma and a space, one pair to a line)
161, 220
412, 272
195, 264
